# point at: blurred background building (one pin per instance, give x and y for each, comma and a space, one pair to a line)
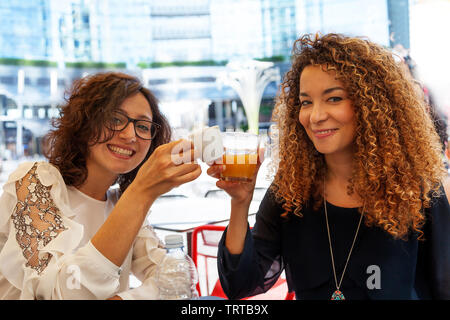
177, 47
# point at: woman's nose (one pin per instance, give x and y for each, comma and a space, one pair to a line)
128, 132
318, 113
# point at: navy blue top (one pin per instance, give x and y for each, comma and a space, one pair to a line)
411, 269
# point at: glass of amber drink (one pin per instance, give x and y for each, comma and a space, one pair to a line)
240, 156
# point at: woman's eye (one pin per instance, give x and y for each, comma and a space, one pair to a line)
304, 103
335, 99
144, 128
117, 120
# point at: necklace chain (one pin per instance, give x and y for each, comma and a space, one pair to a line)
338, 285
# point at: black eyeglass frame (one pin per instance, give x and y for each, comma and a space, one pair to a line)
154, 127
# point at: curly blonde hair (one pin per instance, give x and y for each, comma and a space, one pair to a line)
397, 166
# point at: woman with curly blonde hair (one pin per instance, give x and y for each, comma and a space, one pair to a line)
357, 208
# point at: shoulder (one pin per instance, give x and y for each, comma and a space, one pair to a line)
32, 177
269, 200
48, 174
439, 211
44, 171
39, 177
270, 208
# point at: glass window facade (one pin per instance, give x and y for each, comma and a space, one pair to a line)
24, 29
136, 31
144, 35
352, 17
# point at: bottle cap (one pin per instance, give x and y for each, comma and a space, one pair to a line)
174, 241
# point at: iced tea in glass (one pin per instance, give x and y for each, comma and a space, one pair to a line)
240, 156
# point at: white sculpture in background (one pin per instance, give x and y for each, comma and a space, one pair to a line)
249, 79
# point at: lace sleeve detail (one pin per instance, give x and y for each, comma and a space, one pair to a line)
36, 219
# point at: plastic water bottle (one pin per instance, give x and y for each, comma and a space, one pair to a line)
176, 276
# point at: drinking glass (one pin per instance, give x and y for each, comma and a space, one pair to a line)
240, 156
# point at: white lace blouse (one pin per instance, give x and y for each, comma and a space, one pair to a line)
45, 248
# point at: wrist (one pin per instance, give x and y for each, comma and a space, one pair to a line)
241, 203
137, 194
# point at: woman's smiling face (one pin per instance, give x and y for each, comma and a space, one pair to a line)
124, 151
326, 112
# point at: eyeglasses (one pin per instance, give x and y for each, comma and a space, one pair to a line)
144, 129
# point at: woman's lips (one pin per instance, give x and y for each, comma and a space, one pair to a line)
121, 152
321, 134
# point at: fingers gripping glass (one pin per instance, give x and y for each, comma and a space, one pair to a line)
144, 129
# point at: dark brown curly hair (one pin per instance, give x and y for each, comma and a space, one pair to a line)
397, 166
82, 122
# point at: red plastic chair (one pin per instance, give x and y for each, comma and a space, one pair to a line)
205, 240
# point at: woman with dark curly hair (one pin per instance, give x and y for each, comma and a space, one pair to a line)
65, 233
357, 208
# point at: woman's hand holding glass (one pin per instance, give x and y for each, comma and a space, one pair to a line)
238, 167
240, 192
164, 171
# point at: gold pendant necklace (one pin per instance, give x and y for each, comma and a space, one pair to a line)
337, 294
